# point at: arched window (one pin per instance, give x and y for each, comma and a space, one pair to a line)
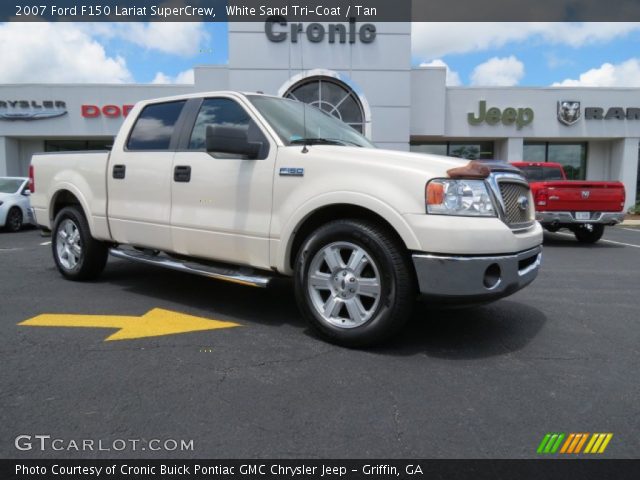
332, 96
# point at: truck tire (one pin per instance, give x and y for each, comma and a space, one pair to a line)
77, 254
585, 234
354, 283
14, 220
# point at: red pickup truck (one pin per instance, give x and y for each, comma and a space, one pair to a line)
584, 207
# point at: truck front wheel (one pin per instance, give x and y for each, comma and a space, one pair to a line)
589, 233
78, 256
354, 283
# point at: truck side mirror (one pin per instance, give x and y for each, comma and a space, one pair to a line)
231, 139
26, 192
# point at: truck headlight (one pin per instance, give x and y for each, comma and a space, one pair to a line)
459, 197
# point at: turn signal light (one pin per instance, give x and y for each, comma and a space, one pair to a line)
435, 193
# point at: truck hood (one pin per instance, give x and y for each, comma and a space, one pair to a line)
414, 163
435, 165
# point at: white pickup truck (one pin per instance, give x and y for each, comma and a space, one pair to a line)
246, 187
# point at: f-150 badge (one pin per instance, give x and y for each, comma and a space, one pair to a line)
291, 172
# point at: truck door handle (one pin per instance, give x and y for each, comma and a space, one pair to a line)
182, 173
119, 171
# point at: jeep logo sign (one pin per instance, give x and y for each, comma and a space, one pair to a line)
520, 117
276, 31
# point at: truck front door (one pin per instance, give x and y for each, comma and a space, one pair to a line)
221, 203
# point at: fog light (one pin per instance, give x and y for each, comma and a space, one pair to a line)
492, 276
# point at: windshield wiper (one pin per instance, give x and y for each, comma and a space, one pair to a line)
321, 141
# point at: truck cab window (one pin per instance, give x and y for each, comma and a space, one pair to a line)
154, 127
217, 111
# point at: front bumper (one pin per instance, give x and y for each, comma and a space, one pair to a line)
560, 218
472, 279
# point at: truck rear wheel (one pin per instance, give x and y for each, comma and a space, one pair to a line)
354, 283
589, 233
78, 256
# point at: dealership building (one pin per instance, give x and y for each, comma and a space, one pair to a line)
363, 74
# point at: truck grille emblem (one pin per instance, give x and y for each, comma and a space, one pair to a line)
585, 193
523, 203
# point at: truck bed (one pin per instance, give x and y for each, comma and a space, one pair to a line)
81, 173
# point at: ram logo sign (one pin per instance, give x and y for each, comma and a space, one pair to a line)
569, 111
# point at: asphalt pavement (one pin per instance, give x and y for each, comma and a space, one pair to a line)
563, 355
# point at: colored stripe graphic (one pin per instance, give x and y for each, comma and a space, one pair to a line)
573, 443
581, 442
543, 443
550, 443
598, 443
565, 447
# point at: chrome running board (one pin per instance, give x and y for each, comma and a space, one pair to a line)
241, 275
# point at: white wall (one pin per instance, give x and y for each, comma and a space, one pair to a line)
509, 149
381, 70
599, 160
9, 157
462, 100
27, 148
428, 95
624, 165
73, 124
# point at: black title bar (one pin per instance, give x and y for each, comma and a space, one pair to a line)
319, 469
320, 11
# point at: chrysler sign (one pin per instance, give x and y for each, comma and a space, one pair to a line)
31, 109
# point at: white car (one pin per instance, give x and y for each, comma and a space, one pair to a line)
15, 209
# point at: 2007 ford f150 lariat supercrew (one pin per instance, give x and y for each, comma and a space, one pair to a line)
245, 187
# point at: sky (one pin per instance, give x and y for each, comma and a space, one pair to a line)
477, 54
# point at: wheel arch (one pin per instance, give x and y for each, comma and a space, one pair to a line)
390, 220
65, 197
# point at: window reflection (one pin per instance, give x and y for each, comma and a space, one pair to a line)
333, 97
216, 111
572, 156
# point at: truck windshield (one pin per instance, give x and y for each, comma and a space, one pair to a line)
10, 185
540, 174
288, 119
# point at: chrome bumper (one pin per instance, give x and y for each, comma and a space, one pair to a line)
606, 218
475, 279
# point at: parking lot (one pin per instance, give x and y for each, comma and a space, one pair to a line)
562, 355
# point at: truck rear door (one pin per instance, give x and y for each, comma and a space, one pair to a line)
140, 175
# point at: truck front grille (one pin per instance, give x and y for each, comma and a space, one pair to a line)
519, 210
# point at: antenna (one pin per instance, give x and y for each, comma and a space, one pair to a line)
304, 105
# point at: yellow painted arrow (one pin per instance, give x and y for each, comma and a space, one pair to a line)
154, 323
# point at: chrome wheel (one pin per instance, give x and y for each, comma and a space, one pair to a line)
344, 284
68, 244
